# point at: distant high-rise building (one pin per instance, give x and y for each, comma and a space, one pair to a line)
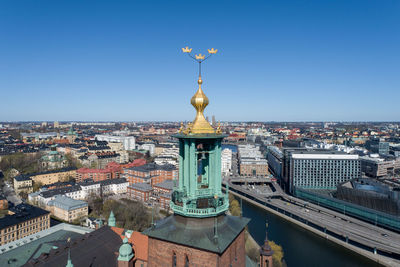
377, 145
56, 124
213, 121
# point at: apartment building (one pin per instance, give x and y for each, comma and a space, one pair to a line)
55, 176
67, 209
226, 161
251, 161
140, 191
24, 220
111, 171
150, 173
23, 183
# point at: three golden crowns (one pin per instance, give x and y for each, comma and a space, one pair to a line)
199, 56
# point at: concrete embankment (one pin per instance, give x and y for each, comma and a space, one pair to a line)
375, 257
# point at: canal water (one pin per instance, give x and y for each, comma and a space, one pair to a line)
300, 247
231, 147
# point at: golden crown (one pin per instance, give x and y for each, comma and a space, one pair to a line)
186, 49
200, 56
212, 51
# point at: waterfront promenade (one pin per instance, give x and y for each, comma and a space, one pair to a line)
371, 241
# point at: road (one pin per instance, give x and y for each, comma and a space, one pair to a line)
349, 229
345, 226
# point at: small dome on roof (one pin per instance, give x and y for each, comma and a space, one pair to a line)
125, 251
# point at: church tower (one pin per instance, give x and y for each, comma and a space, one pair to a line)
200, 233
198, 193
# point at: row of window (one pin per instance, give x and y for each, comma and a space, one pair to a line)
22, 232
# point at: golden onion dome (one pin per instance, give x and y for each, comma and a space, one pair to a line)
200, 102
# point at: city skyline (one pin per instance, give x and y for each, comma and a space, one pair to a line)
72, 61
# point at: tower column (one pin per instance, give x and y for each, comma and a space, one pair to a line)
217, 172
193, 169
181, 157
184, 181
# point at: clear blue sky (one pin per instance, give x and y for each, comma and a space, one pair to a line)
278, 60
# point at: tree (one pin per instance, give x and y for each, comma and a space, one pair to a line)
24, 163
234, 206
277, 257
37, 186
23, 194
95, 204
93, 165
73, 162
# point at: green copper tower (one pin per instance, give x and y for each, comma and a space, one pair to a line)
200, 225
198, 191
111, 220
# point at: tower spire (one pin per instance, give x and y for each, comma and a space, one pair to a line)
266, 251
69, 262
200, 100
266, 248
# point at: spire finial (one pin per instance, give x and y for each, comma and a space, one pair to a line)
266, 248
200, 100
69, 261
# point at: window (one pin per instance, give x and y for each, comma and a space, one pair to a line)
186, 261
173, 259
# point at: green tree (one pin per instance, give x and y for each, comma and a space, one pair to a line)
234, 206
277, 257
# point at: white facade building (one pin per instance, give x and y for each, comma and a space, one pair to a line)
127, 141
148, 147
90, 188
114, 186
226, 161
82, 190
168, 156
